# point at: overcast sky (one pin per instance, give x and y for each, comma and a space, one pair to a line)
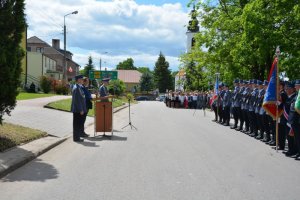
138, 29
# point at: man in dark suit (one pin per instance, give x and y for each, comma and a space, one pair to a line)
78, 108
295, 120
289, 113
103, 88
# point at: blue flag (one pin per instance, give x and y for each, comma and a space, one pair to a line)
270, 99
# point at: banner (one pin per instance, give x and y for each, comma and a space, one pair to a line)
270, 99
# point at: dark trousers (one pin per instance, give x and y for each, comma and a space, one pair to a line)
291, 141
78, 125
246, 119
260, 123
220, 113
250, 117
226, 115
242, 118
266, 121
296, 128
215, 111
281, 133
236, 112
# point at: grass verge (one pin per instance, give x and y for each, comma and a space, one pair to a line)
13, 135
25, 95
65, 104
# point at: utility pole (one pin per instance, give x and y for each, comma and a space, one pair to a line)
65, 44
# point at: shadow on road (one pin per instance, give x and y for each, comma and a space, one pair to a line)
112, 138
38, 171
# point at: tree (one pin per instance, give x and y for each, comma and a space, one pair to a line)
146, 82
116, 87
127, 64
240, 38
144, 70
12, 27
162, 74
88, 67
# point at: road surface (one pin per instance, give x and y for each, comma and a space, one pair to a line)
172, 156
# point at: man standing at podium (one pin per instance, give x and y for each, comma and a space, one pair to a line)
78, 108
103, 89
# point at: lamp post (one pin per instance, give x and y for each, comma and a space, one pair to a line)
101, 60
65, 41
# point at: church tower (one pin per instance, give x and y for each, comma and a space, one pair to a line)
192, 29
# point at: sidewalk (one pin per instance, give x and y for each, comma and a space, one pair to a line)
30, 113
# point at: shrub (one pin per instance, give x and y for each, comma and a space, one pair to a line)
45, 84
60, 87
116, 87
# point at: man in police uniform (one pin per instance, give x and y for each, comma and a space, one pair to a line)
252, 119
103, 89
78, 108
294, 120
220, 102
289, 111
283, 118
258, 106
236, 104
246, 114
226, 105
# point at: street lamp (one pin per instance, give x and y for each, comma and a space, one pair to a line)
65, 41
101, 60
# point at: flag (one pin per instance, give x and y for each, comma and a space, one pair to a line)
216, 92
270, 99
297, 103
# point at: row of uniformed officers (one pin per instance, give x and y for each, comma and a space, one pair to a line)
244, 104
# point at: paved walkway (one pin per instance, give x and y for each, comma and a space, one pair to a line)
31, 113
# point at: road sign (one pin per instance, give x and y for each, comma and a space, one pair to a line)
113, 75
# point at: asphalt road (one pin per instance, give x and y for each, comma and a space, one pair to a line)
173, 155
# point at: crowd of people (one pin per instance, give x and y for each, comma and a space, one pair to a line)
245, 105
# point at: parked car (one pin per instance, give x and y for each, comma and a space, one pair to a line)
142, 98
161, 98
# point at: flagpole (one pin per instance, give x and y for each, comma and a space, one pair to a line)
277, 94
217, 93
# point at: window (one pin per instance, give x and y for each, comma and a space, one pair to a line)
28, 48
40, 49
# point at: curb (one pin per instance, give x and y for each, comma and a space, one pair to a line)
11, 165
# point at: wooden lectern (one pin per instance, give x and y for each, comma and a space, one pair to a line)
103, 115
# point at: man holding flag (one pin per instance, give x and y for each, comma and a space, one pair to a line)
270, 103
294, 118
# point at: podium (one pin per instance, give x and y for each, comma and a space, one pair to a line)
103, 115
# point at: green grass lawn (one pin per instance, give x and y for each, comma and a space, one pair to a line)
66, 104
13, 135
25, 95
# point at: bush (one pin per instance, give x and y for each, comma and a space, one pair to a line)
45, 84
60, 87
116, 87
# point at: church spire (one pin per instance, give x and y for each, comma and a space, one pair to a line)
193, 23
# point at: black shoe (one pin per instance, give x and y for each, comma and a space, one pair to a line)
80, 140
272, 143
214, 120
259, 137
84, 135
289, 153
233, 127
226, 124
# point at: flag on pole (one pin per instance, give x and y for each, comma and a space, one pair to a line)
270, 99
216, 91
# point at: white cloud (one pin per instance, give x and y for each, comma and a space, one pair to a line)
121, 27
